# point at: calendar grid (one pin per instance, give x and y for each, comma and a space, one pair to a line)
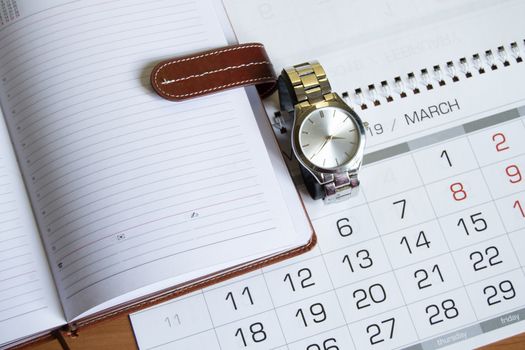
211, 319
337, 297
443, 135
397, 231
275, 310
319, 288
390, 263
492, 196
442, 231
179, 339
313, 334
416, 187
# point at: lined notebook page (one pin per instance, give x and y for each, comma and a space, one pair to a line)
130, 189
28, 299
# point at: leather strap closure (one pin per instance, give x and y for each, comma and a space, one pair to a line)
215, 70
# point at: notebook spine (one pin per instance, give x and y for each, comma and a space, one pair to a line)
425, 79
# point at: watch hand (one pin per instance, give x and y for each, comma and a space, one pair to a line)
338, 138
328, 138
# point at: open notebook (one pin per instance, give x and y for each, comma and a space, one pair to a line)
111, 197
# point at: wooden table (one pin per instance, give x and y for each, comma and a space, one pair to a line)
116, 334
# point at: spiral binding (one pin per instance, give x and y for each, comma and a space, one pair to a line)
440, 75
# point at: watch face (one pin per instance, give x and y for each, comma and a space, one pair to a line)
329, 137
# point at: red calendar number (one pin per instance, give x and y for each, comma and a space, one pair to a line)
500, 140
514, 173
458, 192
517, 205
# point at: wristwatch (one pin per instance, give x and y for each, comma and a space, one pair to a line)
328, 137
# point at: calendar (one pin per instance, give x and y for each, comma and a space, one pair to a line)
429, 254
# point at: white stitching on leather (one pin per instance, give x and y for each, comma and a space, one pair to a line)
167, 82
220, 87
155, 80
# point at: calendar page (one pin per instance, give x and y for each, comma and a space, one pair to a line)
428, 255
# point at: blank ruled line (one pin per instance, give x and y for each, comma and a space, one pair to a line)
8, 211
62, 83
127, 171
16, 266
105, 121
25, 18
21, 294
72, 34
173, 245
34, 141
18, 276
58, 16
11, 239
101, 75
134, 150
158, 239
19, 87
23, 284
13, 248
71, 18
140, 49
58, 168
179, 148
127, 142
102, 54
138, 149
15, 257
91, 233
63, 53
73, 115
113, 175
160, 190
69, 72
55, 102
115, 136
168, 216
18, 305
244, 216
72, 263
7, 202
29, 139
11, 229
76, 121
124, 200
196, 237
9, 220
24, 313
162, 258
